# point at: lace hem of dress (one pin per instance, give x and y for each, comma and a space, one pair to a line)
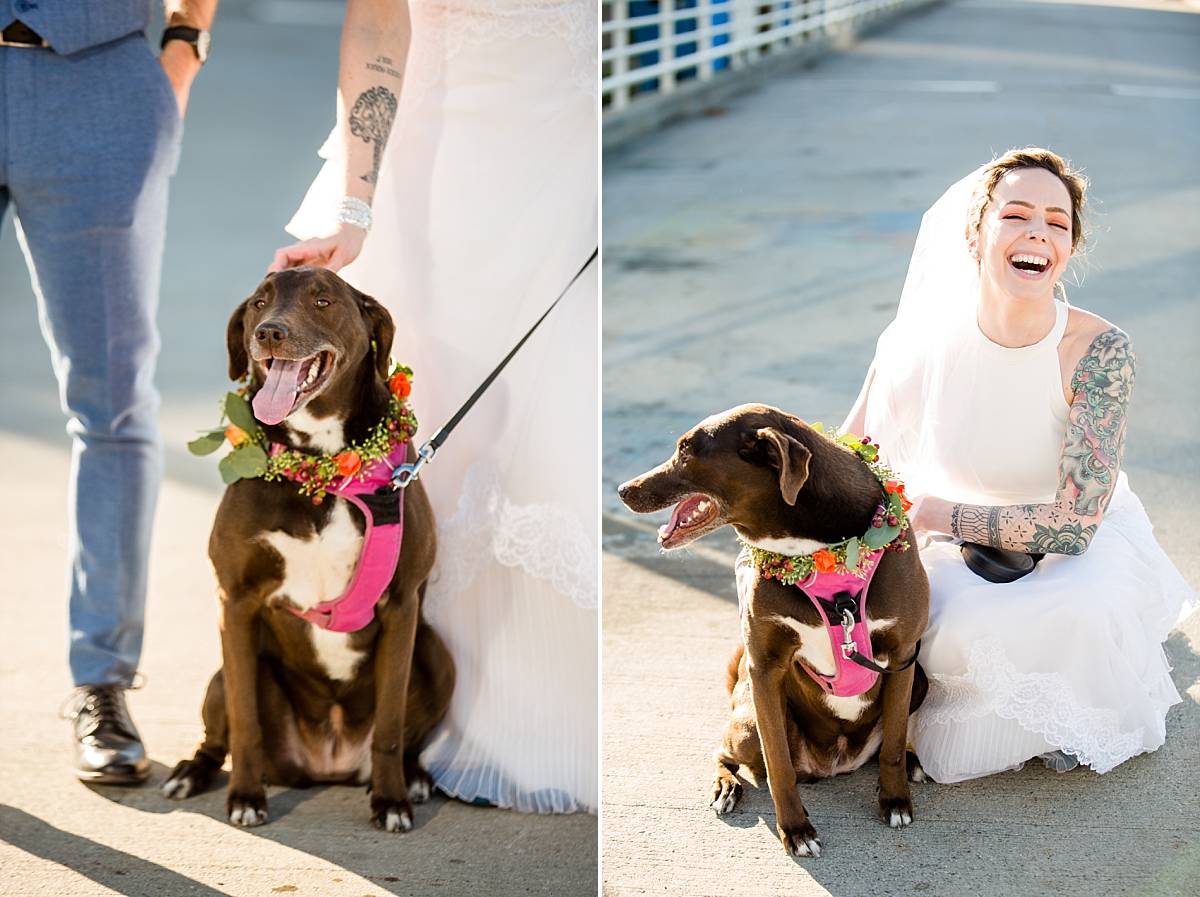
1044, 703
547, 541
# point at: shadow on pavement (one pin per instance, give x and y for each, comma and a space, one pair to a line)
104, 865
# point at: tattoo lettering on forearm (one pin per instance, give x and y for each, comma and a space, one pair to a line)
1091, 459
383, 65
371, 121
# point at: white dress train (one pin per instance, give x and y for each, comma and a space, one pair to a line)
1069, 657
486, 205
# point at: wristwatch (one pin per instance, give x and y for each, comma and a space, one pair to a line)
197, 37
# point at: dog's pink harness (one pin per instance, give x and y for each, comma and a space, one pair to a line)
843, 596
841, 600
383, 508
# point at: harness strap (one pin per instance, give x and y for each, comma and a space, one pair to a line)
355, 608
872, 665
383, 510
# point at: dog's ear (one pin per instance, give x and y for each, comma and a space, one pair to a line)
235, 342
789, 456
382, 330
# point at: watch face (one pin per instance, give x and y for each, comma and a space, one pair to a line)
203, 40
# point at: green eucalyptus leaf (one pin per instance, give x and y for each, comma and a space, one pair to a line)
240, 414
208, 443
852, 554
229, 474
249, 460
877, 537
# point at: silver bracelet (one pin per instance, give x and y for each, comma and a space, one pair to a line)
352, 210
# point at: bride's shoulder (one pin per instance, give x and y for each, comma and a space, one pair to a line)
1086, 325
1091, 342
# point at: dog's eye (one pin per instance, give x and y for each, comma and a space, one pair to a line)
260, 303
322, 302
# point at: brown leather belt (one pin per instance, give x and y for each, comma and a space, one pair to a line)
18, 34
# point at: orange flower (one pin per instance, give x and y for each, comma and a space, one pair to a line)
904, 502
348, 463
236, 435
894, 486
824, 561
400, 385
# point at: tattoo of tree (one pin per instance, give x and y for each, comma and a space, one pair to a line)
371, 120
1091, 459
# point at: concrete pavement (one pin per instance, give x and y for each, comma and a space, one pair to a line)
755, 254
259, 111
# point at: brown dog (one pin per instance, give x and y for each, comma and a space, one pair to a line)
295, 704
787, 489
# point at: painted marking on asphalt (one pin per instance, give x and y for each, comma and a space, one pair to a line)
1156, 91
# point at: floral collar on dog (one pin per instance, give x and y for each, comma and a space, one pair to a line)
253, 455
850, 555
836, 578
360, 473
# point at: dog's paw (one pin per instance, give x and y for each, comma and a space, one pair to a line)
726, 792
896, 811
247, 810
189, 777
420, 786
800, 840
391, 815
915, 772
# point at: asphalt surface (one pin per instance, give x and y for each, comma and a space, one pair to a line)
259, 111
754, 254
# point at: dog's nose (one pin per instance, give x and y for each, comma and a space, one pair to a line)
623, 488
271, 332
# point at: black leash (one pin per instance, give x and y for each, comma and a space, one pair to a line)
406, 473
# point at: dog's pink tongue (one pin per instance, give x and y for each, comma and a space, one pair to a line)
274, 401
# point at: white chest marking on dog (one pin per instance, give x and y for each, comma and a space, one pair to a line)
817, 654
324, 433
318, 569
788, 546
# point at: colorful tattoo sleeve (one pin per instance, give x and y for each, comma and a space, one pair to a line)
1091, 460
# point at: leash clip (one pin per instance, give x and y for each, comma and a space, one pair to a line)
406, 473
849, 646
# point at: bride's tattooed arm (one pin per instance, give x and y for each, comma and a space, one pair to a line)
1091, 460
375, 40
374, 50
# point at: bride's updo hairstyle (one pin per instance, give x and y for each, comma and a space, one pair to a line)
1030, 157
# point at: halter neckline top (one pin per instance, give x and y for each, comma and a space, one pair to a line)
1000, 419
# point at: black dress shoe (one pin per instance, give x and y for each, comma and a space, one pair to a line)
108, 748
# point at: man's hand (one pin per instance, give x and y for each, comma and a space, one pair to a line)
179, 61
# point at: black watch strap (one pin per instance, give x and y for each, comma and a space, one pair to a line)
194, 36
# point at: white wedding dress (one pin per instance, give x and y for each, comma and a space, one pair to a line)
1068, 658
486, 206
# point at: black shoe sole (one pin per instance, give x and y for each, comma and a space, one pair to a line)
100, 777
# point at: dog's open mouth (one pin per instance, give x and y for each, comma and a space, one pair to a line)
691, 518
289, 382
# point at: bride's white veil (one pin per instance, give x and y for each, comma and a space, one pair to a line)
926, 342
